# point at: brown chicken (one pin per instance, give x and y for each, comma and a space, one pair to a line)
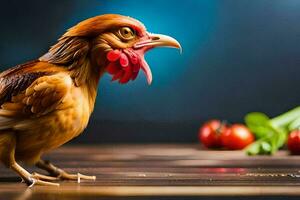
47, 102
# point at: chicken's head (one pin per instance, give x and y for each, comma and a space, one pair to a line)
112, 43
119, 44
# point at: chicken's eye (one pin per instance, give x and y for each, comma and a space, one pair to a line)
127, 33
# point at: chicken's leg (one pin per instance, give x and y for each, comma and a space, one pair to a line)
31, 179
7, 157
57, 172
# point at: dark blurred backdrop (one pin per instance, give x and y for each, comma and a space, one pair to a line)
238, 56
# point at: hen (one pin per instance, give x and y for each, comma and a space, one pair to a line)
48, 101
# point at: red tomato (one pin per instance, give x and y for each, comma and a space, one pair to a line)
294, 142
237, 137
209, 133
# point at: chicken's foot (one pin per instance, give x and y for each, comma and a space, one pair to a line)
32, 179
61, 174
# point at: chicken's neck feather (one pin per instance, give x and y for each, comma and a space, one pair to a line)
87, 77
83, 59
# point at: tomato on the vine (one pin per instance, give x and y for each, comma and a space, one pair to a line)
294, 142
237, 137
209, 133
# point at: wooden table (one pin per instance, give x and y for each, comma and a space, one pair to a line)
161, 171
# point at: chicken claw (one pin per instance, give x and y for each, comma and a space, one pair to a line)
58, 173
66, 176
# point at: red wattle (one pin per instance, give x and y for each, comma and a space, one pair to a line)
126, 77
136, 68
134, 59
113, 55
124, 60
118, 75
134, 75
112, 68
125, 64
132, 56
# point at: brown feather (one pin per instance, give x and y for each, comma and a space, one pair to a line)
93, 26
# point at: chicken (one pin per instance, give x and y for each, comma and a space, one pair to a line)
48, 101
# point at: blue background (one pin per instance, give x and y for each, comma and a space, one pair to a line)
238, 56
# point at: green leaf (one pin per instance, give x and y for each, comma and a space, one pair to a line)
285, 119
260, 131
258, 123
256, 119
266, 147
274, 143
282, 138
294, 124
253, 149
271, 133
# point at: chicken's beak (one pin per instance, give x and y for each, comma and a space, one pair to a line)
158, 40
152, 41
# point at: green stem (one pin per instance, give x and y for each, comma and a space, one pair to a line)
286, 118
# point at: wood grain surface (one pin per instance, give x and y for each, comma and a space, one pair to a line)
160, 170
